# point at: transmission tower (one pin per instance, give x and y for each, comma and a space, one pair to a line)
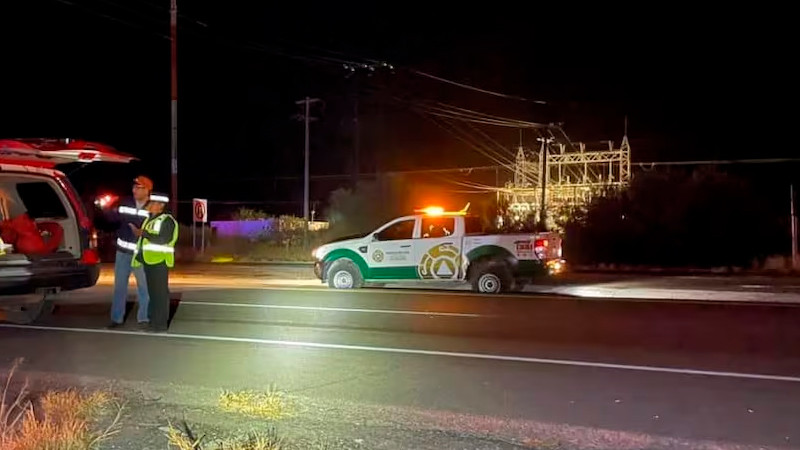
572, 177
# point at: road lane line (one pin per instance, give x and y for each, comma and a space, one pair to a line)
410, 351
326, 308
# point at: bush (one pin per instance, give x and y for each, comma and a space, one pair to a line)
702, 219
249, 214
370, 205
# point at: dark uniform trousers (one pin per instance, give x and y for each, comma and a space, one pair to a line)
157, 276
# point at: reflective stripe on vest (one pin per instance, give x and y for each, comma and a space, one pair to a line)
126, 245
158, 248
133, 211
153, 254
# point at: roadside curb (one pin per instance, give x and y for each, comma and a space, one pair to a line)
686, 272
254, 263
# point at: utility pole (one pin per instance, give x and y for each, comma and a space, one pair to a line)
545, 149
793, 224
307, 106
173, 31
497, 194
356, 140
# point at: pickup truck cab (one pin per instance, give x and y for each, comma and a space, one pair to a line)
438, 246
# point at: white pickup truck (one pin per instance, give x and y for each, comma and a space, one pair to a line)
437, 246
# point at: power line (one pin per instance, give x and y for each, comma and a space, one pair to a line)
164, 8
134, 11
474, 118
469, 112
464, 137
503, 166
371, 174
483, 148
241, 43
474, 88
716, 162
112, 18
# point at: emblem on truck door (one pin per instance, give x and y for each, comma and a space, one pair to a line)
377, 255
440, 262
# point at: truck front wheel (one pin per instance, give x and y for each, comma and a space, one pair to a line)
491, 279
343, 274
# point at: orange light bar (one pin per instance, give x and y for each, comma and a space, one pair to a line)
439, 211
432, 210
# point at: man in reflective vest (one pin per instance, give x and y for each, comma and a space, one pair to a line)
130, 211
155, 251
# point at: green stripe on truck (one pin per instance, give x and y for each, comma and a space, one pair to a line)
340, 253
374, 273
393, 273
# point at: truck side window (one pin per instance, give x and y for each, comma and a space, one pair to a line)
400, 230
473, 225
438, 227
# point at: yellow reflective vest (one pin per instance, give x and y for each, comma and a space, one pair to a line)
153, 253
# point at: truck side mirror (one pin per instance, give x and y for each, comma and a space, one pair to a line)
375, 237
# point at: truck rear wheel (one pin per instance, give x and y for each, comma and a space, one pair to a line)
491, 278
343, 274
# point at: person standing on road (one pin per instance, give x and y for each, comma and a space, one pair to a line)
155, 251
131, 211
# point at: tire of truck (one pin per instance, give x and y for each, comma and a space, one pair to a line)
343, 274
491, 278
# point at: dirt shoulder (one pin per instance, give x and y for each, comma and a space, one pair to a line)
310, 423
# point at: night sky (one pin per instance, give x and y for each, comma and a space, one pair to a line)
693, 84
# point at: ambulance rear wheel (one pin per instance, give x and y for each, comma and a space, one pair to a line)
343, 274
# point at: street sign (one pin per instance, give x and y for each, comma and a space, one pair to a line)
199, 215
200, 210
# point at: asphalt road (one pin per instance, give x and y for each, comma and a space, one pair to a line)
721, 288
609, 373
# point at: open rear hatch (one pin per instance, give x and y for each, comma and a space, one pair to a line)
36, 198
52, 152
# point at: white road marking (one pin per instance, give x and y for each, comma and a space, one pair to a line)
325, 308
410, 351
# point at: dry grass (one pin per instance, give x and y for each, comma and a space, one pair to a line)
182, 439
186, 440
59, 420
271, 404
